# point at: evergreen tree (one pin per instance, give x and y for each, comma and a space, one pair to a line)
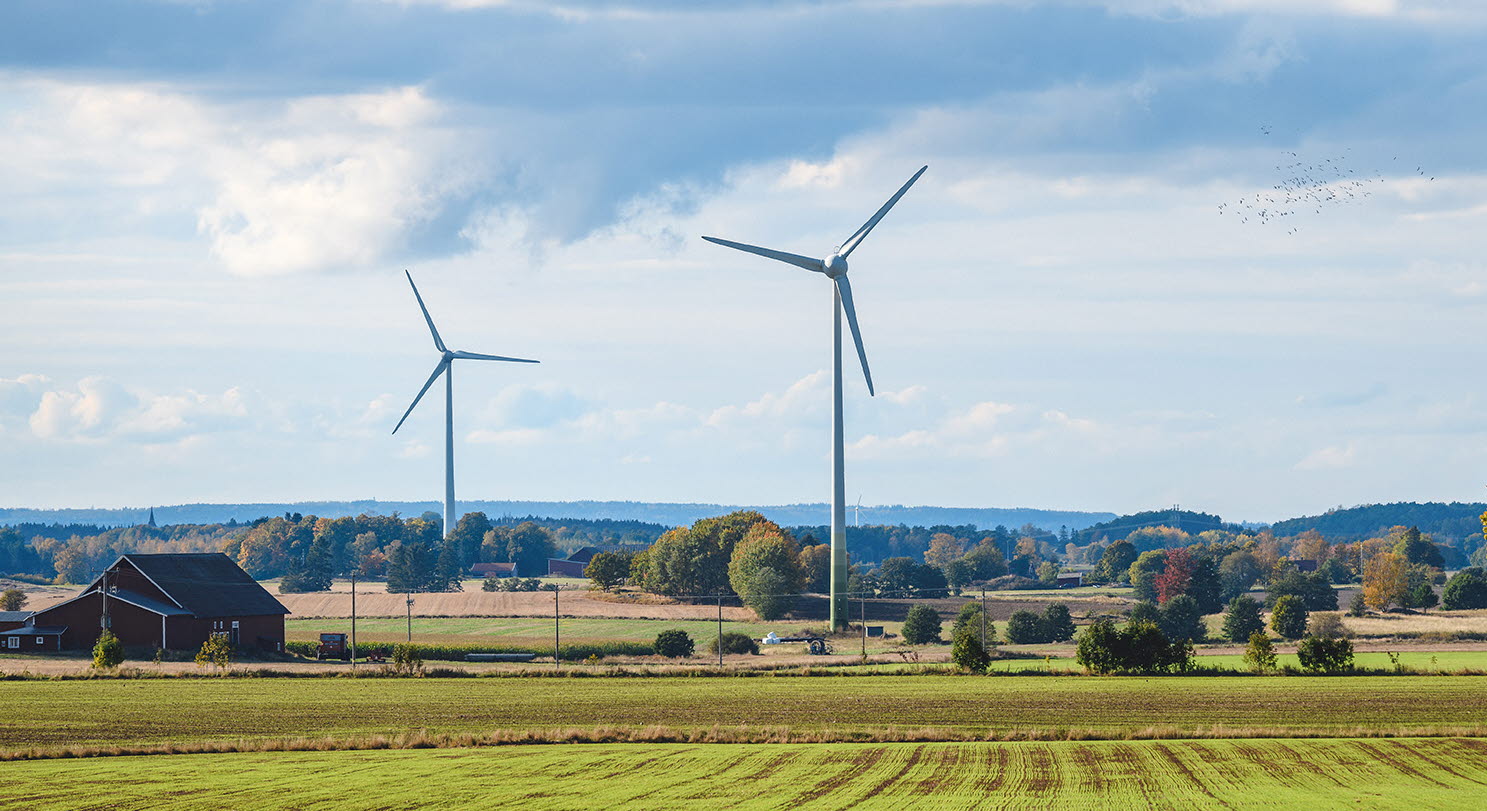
1058, 625
1242, 619
921, 626
1181, 620
1288, 618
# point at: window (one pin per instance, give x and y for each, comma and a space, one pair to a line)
15, 642
40, 640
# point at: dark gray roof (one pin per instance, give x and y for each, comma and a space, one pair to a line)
584, 554
36, 630
14, 616
207, 585
147, 603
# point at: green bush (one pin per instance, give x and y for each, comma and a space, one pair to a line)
1140, 647
1026, 628
108, 651
921, 626
674, 644
1181, 619
966, 651
1242, 619
406, 660
1259, 656
1322, 655
1466, 589
1058, 625
734, 642
1289, 617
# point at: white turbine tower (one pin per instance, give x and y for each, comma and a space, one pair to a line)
834, 267
446, 367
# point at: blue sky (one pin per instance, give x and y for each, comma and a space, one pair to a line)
209, 206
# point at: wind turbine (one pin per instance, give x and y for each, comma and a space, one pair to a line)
446, 367
857, 513
834, 267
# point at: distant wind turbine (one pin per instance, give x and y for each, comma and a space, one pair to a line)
857, 513
834, 267
446, 367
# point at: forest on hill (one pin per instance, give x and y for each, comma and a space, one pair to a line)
1454, 521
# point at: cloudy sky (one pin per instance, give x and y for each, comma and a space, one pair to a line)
208, 206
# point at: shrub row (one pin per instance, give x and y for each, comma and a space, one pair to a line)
456, 653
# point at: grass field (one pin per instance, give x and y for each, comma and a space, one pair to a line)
1328, 773
534, 630
51, 715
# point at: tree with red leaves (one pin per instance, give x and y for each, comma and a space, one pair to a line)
1175, 578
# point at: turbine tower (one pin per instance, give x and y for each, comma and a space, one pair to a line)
834, 267
445, 367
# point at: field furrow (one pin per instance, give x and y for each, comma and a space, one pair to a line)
1398, 773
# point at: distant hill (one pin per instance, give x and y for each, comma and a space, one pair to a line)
650, 512
1454, 521
1121, 526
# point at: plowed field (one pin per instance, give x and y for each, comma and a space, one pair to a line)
1311, 774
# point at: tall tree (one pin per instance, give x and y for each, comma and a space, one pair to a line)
765, 571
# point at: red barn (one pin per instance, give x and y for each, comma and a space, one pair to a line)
170, 601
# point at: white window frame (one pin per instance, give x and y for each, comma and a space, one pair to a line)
15, 641
40, 640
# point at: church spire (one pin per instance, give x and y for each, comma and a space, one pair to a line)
152, 517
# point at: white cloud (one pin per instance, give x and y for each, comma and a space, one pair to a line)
100, 409
308, 183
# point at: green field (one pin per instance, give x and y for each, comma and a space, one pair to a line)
1326, 773
50, 715
525, 630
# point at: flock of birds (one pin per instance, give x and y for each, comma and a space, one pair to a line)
1303, 185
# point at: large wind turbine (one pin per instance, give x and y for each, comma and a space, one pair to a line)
834, 267
446, 367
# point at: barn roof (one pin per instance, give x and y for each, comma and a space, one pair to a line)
14, 616
157, 606
584, 554
36, 630
207, 584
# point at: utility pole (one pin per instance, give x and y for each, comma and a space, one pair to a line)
353, 620
410, 617
862, 606
557, 660
720, 630
103, 620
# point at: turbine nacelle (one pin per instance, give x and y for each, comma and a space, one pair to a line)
834, 267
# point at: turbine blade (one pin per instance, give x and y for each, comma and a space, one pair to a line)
438, 342
478, 356
779, 256
844, 288
438, 370
857, 238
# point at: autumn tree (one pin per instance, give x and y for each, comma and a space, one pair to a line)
943, 548
1386, 581
1173, 580
765, 571
12, 599
815, 568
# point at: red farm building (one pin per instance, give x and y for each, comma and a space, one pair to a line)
171, 601
575, 563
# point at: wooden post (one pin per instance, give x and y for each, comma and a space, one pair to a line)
862, 606
410, 617
720, 630
557, 660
